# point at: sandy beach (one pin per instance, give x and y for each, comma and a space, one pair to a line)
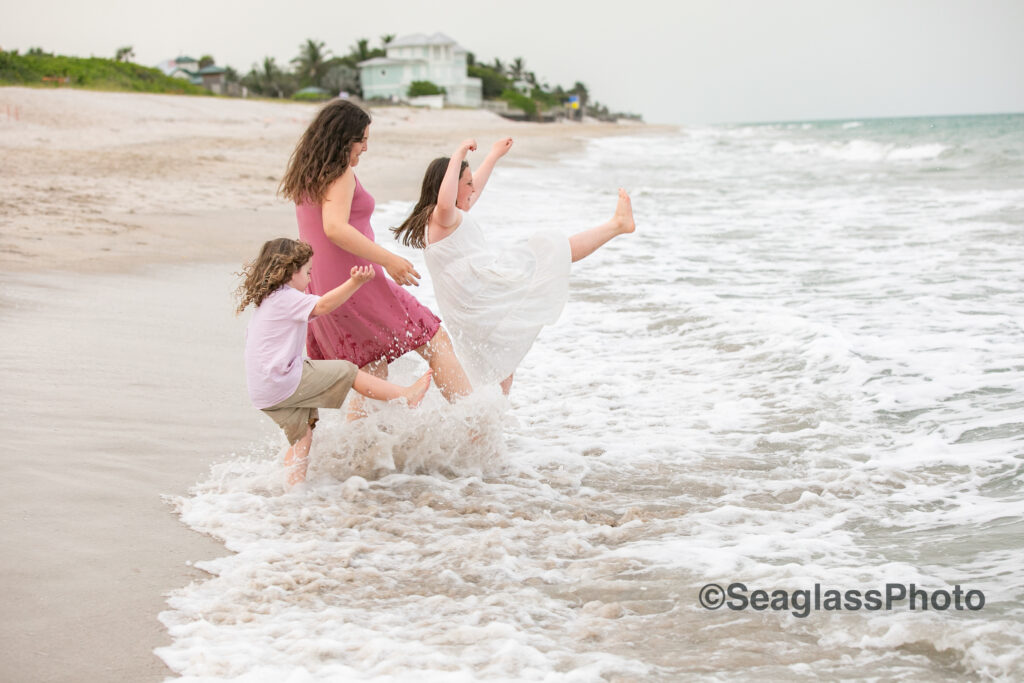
122, 216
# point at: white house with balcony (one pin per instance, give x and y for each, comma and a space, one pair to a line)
418, 57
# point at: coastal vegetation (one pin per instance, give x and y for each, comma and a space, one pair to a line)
511, 83
314, 73
40, 68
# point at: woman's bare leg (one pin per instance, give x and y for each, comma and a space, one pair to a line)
506, 384
449, 376
378, 368
585, 243
295, 460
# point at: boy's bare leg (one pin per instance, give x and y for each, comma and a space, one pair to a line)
506, 384
356, 405
585, 243
448, 373
296, 459
383, 390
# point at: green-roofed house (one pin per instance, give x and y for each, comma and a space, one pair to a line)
182, 67
213, 78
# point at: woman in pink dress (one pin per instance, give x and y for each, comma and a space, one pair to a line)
381, 321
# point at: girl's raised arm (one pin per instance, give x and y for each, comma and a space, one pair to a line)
445, 211
337, 207
483, 171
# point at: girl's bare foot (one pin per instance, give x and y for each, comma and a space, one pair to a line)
415, 392
623, 217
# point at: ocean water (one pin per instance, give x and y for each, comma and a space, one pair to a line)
805, 367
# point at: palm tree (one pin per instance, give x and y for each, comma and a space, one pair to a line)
311, 63
123, 54
361, 50
517, 69
386, 39
499, 67
270, 78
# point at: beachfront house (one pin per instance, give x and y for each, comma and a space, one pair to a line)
214, 78
182, 67
418, 57
211, 77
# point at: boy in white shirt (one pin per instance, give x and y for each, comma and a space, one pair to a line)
281, 383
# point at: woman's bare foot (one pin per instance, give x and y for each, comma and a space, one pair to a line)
415, 392
623, 217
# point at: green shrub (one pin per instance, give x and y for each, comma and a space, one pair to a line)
312, 96
493, 84
520, 101
421, 88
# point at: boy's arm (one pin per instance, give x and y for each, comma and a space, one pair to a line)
483, 171
340, 294
445, 211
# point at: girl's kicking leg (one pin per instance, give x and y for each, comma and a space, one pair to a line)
585, 243
506, 384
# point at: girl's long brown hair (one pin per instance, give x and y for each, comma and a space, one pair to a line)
322, 154
412, 233
278, 260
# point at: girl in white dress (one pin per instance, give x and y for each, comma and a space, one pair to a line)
494, 304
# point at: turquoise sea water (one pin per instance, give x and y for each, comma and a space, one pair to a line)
805, 368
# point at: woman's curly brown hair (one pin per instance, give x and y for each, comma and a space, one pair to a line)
322, 154
278, 261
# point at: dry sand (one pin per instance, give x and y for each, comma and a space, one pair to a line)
95, 181
121, 219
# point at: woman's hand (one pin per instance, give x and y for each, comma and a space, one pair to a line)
401, 271
501, 147
361, 274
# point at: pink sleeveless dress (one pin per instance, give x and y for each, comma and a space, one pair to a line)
381, 320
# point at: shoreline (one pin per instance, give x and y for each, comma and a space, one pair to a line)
115, 179
123, 216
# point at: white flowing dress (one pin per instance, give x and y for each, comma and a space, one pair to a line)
495, 303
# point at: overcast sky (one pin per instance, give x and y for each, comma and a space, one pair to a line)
674, 61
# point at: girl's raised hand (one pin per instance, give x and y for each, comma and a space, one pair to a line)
361, 274
467, 145
501, 147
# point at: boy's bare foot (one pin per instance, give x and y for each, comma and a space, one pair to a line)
296, 468
415, 392
624, 214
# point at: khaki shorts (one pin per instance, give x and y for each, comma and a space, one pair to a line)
324, 384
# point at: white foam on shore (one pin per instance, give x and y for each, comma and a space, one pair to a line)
791, 374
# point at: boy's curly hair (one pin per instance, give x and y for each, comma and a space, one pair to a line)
278, 260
